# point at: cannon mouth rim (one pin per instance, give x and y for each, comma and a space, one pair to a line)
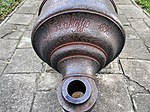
83, 86
88, 105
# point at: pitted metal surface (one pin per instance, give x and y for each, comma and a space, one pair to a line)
78, 38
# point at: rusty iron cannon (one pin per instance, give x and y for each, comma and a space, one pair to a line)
78, 38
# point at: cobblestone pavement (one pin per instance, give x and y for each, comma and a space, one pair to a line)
28, 85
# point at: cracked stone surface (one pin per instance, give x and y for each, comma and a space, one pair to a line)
135, 88
8, 29
108, 100
29, 85
137, 70
113, 94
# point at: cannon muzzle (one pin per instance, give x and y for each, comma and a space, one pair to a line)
78, 38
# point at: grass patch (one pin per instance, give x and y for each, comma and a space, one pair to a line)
7, 6
145, 4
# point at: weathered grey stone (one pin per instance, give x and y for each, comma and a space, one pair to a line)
14, 35
7, 47
137, 70
2, 66
135, 49
145, 35
130, 33
24, 61
46, 102
119, 11
27, 9
142, 103
124, 20
113, 95
123, 2
16, 93
113, 68
48, 81
139, 25
25, 42
30, 27
132, 11
8, 29
147, 21
21, 19
135, 88
32, 2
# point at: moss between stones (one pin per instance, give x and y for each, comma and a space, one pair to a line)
7, 6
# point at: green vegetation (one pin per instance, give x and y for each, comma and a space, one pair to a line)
7, 6
145, 4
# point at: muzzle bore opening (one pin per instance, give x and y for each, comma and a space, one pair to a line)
76, 91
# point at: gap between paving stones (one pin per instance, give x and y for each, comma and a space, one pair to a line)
127, 78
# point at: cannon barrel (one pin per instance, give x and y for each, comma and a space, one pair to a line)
78, 38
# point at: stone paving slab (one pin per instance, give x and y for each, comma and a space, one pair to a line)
135, 49
147, 21
124, 20
7, 48
112, 68
2, 66
11, 31
145, 35
32, 2
46, 102
135, 88
131, 33
123, 2
27, 9
24, 61
132, 11
48, 80
20, 19
25, 41
135, 23
16, 93
137, 70
113, 94
142, 103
